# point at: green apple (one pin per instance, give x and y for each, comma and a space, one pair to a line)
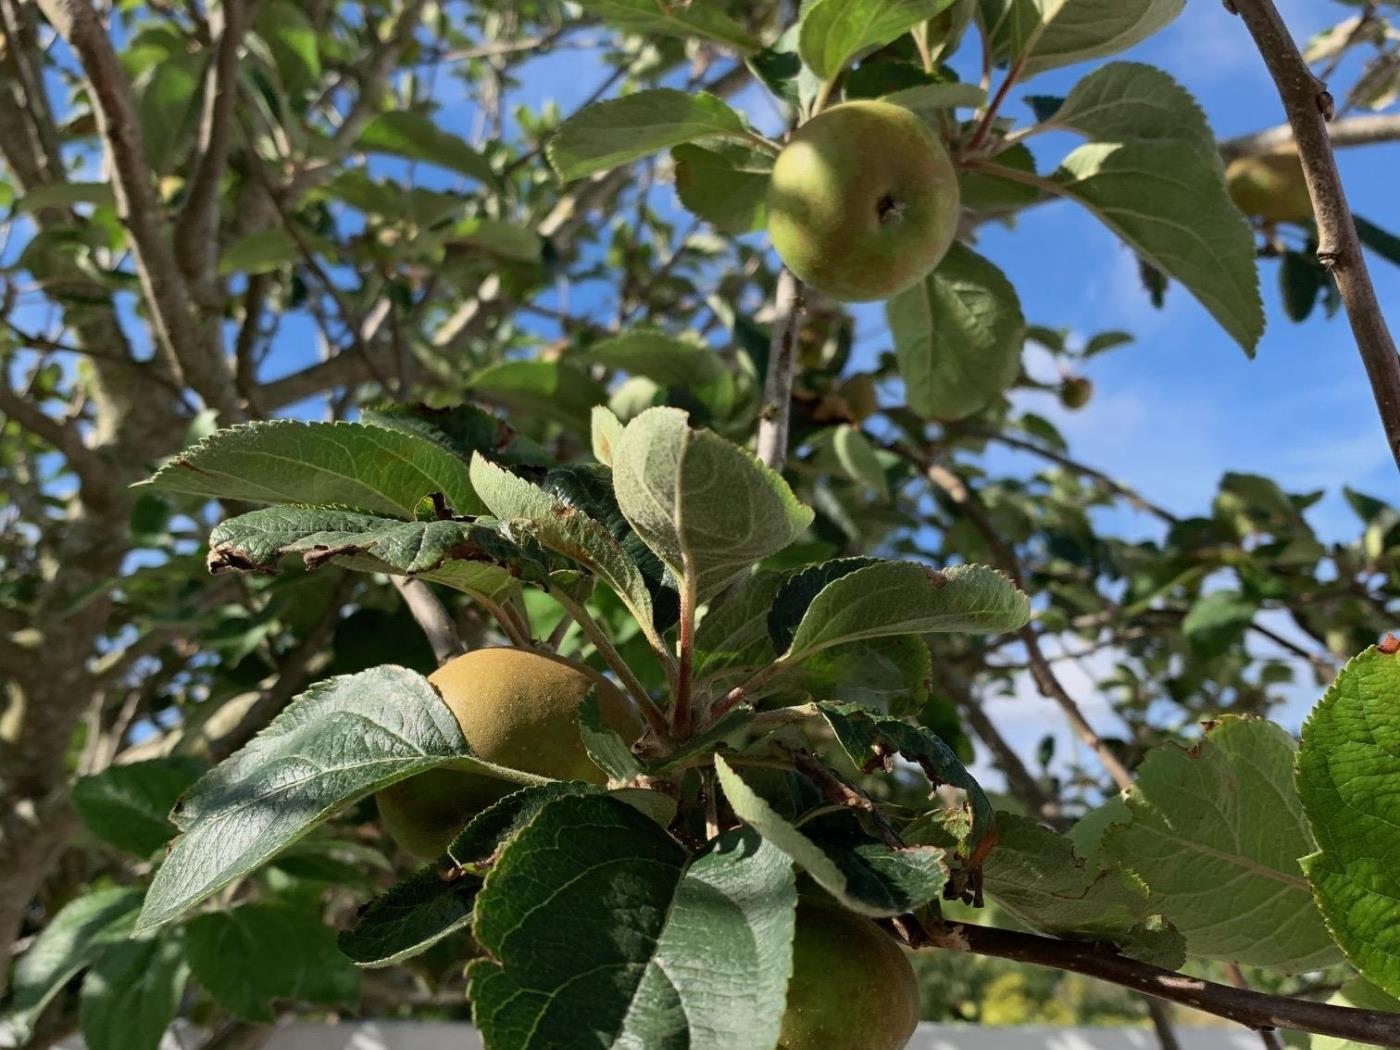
863, 201
1270, 186
852, 987
518, 708
1075, 392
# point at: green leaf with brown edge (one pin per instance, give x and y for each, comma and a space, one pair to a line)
868, 737
957, 335
1348, 765
324, 464
865, 876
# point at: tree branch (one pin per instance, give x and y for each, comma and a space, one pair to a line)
776, 410
431, 616
1252, 1009
93, 473
1308, 105
1351, 131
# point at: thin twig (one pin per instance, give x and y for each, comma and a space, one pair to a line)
1254, 1009
776, 411
431, 616
1309, 106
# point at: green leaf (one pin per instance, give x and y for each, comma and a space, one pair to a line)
835, 31
421, 910
605, 745
708, 509
414, 136
471, 558
957, 336
346, 464
168, 100
526, 509
884, 673
868, 737
549, 389
859, 460
73, 939
938, 96
1218, 620
1301, 278
794, 597
1216, 833
1361, 995
129, 806
696, 18
1037, 877
508, 240
900, 597
865, 876
132, 993
608, 134
1054, 33
733, 635
670, 362
337, 742
605, 431
258, 954
1347, 768
1152, 175
261, 251
726, 185
66, 194
1384, 244
292, 39
652, 980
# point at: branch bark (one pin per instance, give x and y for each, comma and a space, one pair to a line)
776, 410
431, 616
1309, 106
1253, 1009
1350, 131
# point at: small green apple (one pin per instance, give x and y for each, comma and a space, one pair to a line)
851, 987
863, 201
1075, 392
1270, 186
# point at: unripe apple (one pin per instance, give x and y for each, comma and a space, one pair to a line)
851, 987
1075, 392
863, 201
1270, 186
518, 708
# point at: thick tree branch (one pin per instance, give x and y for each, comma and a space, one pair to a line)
1308, 105
93, 473
776, 411
1350, 131
1252, 1009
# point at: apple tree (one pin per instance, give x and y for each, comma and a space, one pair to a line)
450, 565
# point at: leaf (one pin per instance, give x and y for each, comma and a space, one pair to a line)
66, 194
346, 464
1216, 833
883, 673
617, 931
793, 598
1347, 768
709, 510
697, 18
1384, 244
337, 742
727, 185
1301, 279
549, 389
167, 100
866, 737
261, 251
258, 954
471, 558
1218, 620
128, 806
292, 39
415, 137
1152, 175
1039, 879
734, 634
605, 431
834, 31
859, 460
938, 96
670, 362
605, 745
527, 509
508, 240
863, 875
1054, 33
421, 910
608, 134
132, 993
957, 336
900, 597
73, 939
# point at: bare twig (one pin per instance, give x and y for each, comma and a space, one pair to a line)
1162, 1022
1252, 1009
776, 410
1309, 106
430, 615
